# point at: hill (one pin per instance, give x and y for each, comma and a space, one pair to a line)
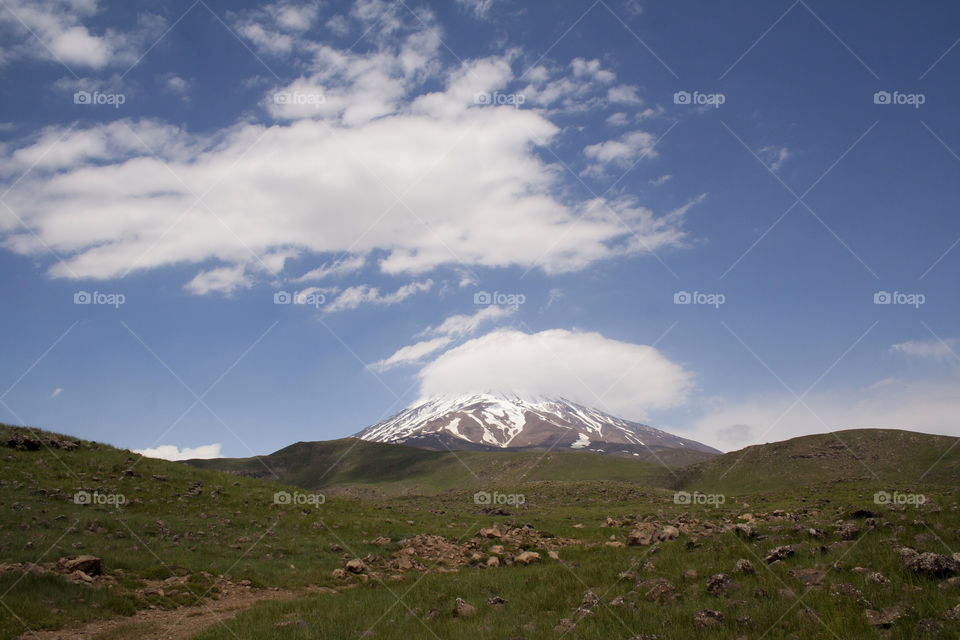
882, 457
392, 469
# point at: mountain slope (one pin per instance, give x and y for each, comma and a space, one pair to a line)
885, 457
499, 421
352, 464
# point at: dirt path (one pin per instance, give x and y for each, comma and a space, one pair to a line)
176, 624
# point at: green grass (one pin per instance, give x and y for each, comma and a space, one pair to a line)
382, 469
231, 526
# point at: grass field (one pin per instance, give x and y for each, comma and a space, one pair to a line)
179, 521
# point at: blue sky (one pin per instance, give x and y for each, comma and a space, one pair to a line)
782, 163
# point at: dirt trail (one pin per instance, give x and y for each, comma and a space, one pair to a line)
175, 624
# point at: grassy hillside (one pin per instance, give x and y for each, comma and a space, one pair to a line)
879, 457
185, 534
391, 469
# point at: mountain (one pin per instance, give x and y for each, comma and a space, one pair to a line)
490, 421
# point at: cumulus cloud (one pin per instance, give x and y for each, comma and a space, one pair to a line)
626, 379
54, 30
622, 152
396, 161
172, 452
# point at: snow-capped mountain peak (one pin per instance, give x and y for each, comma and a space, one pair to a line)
506, 420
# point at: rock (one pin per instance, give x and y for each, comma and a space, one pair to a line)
929, 564
380, 541
809, 577
497, 549
668, 533
464, 610
553, 555
527, 557
952, 614
779, 553
339, 574
493, 561
490, 532
661, 590
566, 625
707, 618
950, 583
90, 565
848, 531
615, 544
744, 567
355, 566
719, 584
690, 574
496, 601
886, 617
578, 526
80, 576
744, 531
642, 535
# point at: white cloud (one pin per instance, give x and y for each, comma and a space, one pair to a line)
454, 327
224, 280
581, 86
661, 180
353, 297
626, 379
176, 85
462, 324
325, 181
412, 353
623, 94
333, 269
555, 295
939, 350
56, 392
480, 9
775, 156
623, 152
930, 407
171, 452
618, 119
63, 36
